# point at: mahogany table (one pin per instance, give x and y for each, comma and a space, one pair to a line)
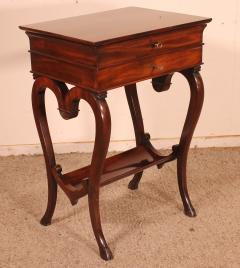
100, 52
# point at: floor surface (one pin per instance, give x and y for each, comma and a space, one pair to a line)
144, 228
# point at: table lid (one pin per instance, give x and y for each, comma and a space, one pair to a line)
114, 25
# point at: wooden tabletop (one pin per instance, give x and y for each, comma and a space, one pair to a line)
114, 25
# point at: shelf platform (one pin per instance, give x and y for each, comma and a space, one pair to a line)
75, 183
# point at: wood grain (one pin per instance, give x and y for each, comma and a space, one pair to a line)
103, 51
114, 25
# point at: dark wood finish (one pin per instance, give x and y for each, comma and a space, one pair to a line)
133, 161
99, 80
119, 48
136, 114
196, 101
101, 59
162, 83
115, 53
114, 25
156, 44
68, 106
148, 67
181, 151
38, 102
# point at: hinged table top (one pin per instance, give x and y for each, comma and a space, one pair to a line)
114, 25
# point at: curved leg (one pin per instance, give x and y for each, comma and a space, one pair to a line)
102, 138
38, 104
196, 100
51, 203
68, 101
134, 106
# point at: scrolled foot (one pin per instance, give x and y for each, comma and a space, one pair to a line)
45, 222
190, 212
133, 184
106, 253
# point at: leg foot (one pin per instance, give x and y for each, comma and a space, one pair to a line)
93, 200
52, 199
182, 184
190, 212
106, 253
133, 184
45, 221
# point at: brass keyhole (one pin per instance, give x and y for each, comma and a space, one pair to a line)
157, 44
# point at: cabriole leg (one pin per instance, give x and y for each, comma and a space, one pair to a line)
39, 111
196, 101
102, 138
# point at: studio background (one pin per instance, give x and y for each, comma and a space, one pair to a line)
164, 113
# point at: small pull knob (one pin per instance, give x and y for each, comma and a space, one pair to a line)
157, 44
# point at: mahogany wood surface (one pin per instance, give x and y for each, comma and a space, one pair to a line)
114, 25
90, 51
120, 166
99, 52
136, 114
